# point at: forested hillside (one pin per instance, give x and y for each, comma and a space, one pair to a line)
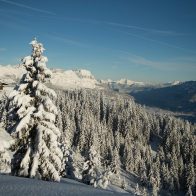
111, 132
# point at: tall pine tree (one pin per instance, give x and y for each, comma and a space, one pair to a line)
32, 109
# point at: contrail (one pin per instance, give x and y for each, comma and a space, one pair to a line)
114, 24
151, 30
28, 7
68, 41
108, 23
158, 42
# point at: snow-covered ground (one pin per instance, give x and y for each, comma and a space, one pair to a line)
18, 186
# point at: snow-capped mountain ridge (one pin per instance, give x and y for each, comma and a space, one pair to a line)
62, 78
82, 73
73, 79
122, 81
175, 82
79, 78
125, 81
10, 74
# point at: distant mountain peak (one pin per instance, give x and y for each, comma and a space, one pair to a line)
125, 81
175, 82
83, 73
79, 78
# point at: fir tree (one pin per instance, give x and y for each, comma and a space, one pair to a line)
5, 159
189, 192
137, 191
32, 109
124, 184
91, 168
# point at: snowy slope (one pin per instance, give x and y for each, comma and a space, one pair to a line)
64, 79
18, 186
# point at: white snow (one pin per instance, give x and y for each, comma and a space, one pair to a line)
176, 82
9, 74
5, 154
18, 186
69, 79
5, 139
122, 81
129, 82
108, 81
82, 73
73, 79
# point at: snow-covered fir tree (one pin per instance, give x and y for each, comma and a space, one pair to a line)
91, 168
68, 170
5, 159
104, 179
34, 114
144, 192
189, 192
4, 111
115, 128
124, 184
137, 191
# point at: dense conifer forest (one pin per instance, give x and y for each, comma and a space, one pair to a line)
103, 132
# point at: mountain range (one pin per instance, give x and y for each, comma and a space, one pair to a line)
173, 96
69, 79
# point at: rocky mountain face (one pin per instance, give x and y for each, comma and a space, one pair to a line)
65, 79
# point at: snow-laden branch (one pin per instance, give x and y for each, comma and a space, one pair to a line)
38, 154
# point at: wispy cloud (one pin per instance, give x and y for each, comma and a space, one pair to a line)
122, 28
127, 26
69, 41
28, 7
149, 30
171, 64
158, 42
136, 27
16, 26
3, 49
188, 59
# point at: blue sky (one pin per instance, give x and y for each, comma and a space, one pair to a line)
143, 40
